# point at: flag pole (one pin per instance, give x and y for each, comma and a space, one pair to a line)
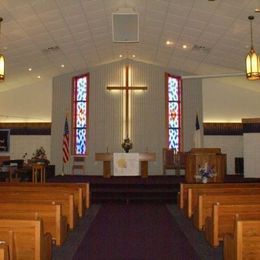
62, 169
65, 145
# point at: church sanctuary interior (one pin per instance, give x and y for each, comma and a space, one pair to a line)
129, 130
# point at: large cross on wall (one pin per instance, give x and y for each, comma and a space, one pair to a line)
126, 89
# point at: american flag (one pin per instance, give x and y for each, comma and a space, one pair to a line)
65, 147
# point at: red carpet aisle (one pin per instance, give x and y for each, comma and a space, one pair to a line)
140, 232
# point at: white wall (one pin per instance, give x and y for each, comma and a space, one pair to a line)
251, 155
21, 144
27, 104
225, 100
232, 146
230, 100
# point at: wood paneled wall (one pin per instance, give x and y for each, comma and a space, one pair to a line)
147, 128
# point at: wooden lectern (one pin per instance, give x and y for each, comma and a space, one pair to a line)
197, 157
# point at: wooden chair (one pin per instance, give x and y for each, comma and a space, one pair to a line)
78, 164
173, 160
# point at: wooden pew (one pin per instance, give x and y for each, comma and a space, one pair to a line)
4, 251
66, 200
244, 243
78, 200
81, 191
9, 246
30, 242
50, 213
206, 202
193, 194
222, 220
183, 194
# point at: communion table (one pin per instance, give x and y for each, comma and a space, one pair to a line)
107, 158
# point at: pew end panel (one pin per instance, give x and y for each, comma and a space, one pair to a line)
229, 247
30, 242
223, 216
245, 242
4, 251
184, 187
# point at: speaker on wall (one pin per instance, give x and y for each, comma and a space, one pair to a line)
125, 27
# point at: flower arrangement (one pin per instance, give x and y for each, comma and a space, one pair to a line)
206, 172
127, 145
40, 156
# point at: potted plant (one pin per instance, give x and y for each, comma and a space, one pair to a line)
40, 156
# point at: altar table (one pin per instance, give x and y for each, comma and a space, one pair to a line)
107, 158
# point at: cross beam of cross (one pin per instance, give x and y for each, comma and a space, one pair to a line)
127, 88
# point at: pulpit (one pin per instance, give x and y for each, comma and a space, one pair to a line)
196, 158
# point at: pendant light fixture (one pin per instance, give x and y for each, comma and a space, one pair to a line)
252, 59
2, 60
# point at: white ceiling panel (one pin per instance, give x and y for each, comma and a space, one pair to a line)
217, 34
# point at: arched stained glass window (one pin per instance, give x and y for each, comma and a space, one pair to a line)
80, 114
173, 112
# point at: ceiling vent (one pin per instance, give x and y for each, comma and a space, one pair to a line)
51, 49
200, 48
125, 26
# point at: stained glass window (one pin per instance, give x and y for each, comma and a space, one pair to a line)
80, 114
173, 118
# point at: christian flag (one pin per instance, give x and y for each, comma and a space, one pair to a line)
65, 147
197, 134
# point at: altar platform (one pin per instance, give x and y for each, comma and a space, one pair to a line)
128, 189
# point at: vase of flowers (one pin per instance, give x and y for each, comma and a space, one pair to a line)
127, 145
40, 156
205, 173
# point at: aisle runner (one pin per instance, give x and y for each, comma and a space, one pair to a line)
134, 232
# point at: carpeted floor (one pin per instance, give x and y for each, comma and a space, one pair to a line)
135, 232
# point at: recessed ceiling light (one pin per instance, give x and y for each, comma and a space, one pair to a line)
30, 69
133, 55
120, 56
257, 10
38, 77
184, 46
62, 65
169, 43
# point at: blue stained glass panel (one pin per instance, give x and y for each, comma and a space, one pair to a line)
81, 112
173, 89
82, 89
174, 138
173, 113
81, 141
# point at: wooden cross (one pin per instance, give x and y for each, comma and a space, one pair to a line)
127, 88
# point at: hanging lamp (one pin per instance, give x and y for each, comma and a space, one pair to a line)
252, 59
2, 60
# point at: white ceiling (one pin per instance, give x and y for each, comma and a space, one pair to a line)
82, 29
